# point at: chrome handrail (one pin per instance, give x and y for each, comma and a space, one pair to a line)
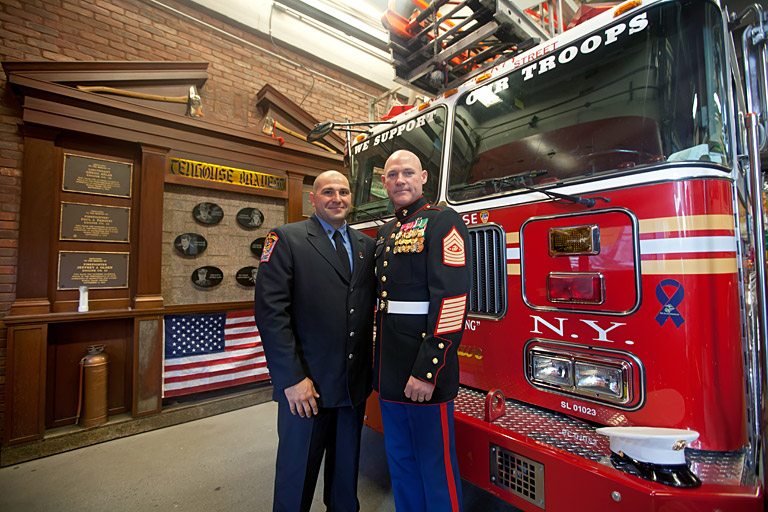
758, 226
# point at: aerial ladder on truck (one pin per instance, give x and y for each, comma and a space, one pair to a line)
443, 43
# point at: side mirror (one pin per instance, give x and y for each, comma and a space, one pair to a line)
320, 130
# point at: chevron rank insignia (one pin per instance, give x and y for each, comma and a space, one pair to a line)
451, 317
453, 249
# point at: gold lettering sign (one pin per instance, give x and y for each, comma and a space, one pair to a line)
221, 174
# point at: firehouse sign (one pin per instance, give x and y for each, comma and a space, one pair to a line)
221, 174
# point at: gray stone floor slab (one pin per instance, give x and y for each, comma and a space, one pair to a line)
221, 463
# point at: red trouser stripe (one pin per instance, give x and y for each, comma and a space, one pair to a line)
447, 458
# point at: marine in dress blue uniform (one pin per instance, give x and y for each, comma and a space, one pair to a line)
423, 281
316, 324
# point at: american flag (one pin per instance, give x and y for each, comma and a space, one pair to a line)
205, 352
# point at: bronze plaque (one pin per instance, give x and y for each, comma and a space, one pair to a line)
94, 223
246, 276
93, 269
96, 176
207, 277
250, 218
207, 213
257, 246
190, 244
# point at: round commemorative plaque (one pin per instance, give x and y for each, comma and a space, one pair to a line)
246, 276
207, 277
250, 218
208, 213
257, 246
190, 244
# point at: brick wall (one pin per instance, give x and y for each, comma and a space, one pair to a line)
140, 30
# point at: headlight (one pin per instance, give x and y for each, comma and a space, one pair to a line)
553, 370
603, 380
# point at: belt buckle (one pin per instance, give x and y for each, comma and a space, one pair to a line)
384, 306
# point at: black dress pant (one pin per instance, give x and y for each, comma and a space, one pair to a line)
333, 432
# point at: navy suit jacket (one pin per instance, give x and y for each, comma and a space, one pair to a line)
313, 321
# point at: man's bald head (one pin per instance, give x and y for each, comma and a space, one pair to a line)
331, 198
326, 177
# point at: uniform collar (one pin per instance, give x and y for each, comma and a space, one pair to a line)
328, 229
412, 208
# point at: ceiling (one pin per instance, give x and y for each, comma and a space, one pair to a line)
347, 34
307, 26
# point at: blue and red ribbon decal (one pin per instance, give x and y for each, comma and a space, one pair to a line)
669, 303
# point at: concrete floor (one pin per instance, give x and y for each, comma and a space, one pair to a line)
221, 463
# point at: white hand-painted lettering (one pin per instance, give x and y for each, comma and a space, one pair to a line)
470, 218
537, 319
638, 23
471, 325
600, 331
589, 45
559, 329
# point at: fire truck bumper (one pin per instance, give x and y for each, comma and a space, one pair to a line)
539, 460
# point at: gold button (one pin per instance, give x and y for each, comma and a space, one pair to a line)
384, 293
423, 335
388, 248
434, 360
398, 224
405, 212
429, 375
440, 345
386, 263
383, 279
392, 235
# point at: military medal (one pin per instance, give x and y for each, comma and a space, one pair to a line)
410, 238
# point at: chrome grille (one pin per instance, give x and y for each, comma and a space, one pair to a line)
519, 475
487, 251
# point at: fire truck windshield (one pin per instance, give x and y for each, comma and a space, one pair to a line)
641, 92
423, 135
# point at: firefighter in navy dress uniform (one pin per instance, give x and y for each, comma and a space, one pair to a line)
423, 280
314, 301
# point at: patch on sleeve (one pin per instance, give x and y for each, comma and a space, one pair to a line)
453, 249
451, 315
269, 245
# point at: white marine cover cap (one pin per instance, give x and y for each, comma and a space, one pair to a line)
650, 444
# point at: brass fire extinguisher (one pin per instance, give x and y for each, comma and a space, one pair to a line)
92, 397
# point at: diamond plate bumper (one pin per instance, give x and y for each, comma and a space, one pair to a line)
580, 438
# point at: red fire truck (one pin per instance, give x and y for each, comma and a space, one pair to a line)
610, 179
